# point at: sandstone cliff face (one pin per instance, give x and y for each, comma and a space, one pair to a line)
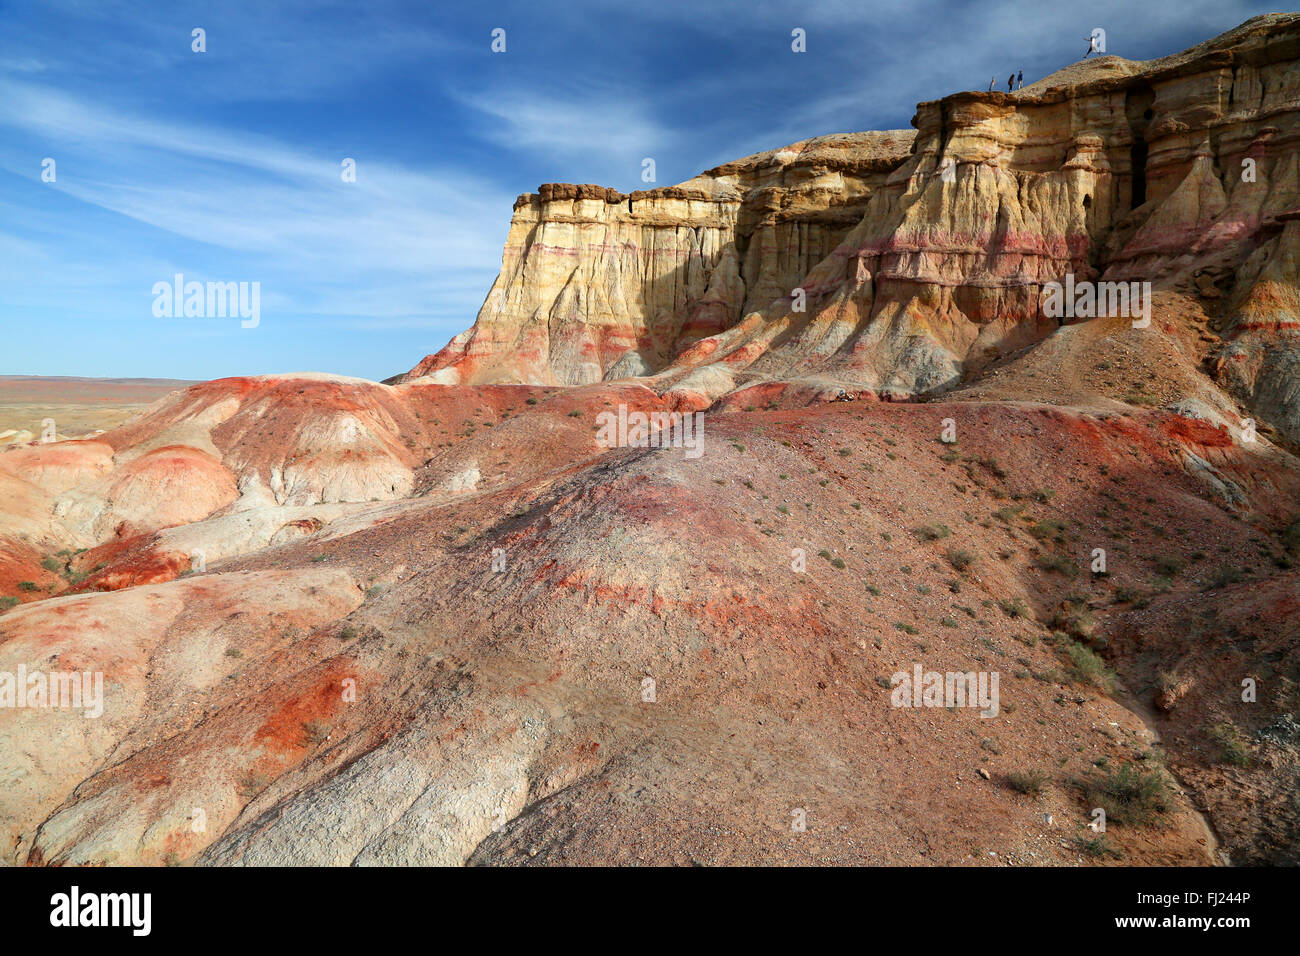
922, 256
597, 284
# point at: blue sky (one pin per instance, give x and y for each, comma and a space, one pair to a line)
225, 165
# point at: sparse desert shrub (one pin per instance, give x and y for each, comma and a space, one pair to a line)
576, 413
1044, 495
906, 628
1086, 667
1007, 512
7, 602
27, 586
933, 532
1048, 528
1096, 847
1013, 608
959, 558
1128, 795
315, 732
234, 652
52, 564
1169, 565
347, 633
1079, 624
253, 783
1055, 562
1029, 782
838, 563
1225, 575
1291, 537
1231, 744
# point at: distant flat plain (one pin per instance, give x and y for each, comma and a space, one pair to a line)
78, 406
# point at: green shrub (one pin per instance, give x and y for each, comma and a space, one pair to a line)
1231, 744
1055, 562
1048, 528
1088, 668
1225, 575
1169, 565
959, 558
1013, 609
1097, 847
1128, 795
1029, 782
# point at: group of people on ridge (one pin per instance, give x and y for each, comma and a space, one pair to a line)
1014, 82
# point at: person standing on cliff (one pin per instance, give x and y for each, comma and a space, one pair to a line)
1020, 79
1092, 47
992, 79
1011, 82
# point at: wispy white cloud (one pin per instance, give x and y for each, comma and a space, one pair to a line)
610, 130
255, 50
286, 207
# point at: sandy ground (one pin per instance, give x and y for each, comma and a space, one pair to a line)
78, 406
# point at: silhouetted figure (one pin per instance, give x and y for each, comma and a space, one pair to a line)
992, 80
1020, 79
1092, 47
1011, 82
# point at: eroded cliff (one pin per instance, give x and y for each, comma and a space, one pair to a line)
905, 263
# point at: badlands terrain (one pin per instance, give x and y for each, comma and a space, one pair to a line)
435, 621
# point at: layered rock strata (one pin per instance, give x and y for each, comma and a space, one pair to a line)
906, 262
